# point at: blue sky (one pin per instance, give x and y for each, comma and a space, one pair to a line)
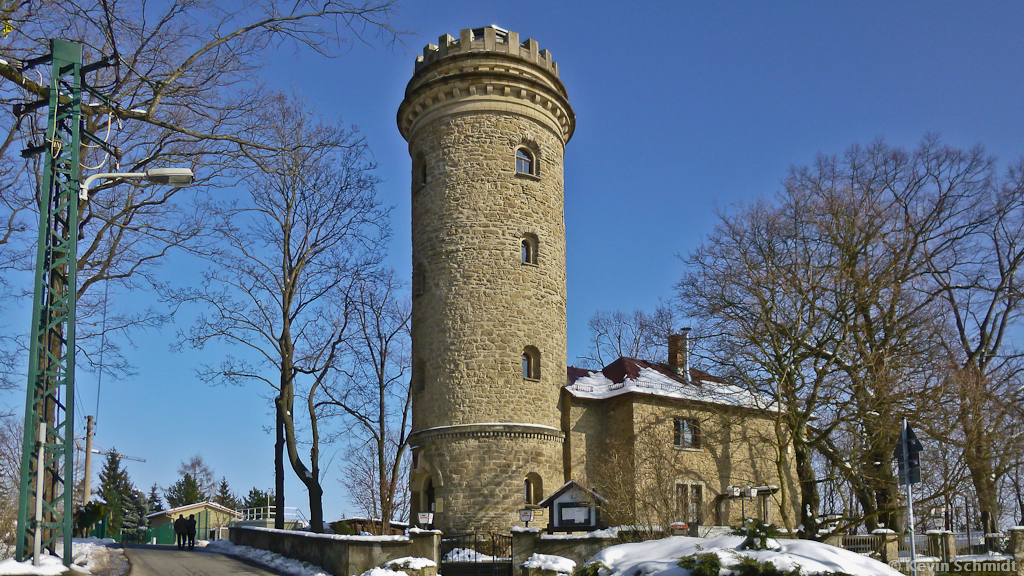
681, 107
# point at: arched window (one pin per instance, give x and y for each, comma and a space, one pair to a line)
533, 491
430, 496
531, 363
525, 162
528, 252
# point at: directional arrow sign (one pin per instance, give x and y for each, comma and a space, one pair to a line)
913, 447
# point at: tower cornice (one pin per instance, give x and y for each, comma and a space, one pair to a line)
489, 76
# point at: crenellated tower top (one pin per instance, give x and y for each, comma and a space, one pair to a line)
489, 39
486, 68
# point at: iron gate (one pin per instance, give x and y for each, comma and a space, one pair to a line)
476, 555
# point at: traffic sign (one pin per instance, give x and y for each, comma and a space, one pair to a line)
907, 454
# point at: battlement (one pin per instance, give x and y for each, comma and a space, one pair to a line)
489, 39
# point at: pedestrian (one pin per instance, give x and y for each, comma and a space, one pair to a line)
191, 527
180, 528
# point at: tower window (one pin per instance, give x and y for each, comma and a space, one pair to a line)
528, 252
534, 488
687, 433
419, 376
419, 171
531, 363
525, 162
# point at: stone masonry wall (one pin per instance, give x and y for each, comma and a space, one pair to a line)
738, 448
480, 306
483, 477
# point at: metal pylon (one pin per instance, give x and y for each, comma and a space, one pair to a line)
51, 370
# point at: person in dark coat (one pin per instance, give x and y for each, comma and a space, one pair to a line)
191, 527
180, 529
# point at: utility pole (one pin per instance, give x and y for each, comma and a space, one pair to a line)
89, 451
48, 449
279, 466
88, 461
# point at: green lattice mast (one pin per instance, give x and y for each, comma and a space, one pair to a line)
51, 373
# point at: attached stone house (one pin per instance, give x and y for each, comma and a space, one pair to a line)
670, 443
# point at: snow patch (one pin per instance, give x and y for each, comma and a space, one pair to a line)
411, 563
661, 557
549, 562
271, 560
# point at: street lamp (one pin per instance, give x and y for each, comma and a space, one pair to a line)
176, 177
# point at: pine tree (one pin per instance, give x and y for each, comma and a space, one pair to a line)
135, 507
156, 503
114, 483
183, 492
225, 497
256, 499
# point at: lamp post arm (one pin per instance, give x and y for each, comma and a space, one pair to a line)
83, 193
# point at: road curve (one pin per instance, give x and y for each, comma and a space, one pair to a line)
169, 561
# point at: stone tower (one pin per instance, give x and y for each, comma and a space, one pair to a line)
487, 120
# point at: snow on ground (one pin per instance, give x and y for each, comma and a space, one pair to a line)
269, 559
661, 557
549, 562
411, 563
468, 555
88, 556
382, 572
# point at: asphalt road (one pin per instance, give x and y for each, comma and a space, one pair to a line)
169, 561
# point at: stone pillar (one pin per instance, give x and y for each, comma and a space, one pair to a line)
890, 549
994, 542
941, 544
524, 544
1015, 548
425, 544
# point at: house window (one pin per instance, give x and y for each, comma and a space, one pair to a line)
531, 363
524, 162
687, 433
528, 251
690, 503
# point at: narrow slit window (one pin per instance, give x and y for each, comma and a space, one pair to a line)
531, 363
528, 249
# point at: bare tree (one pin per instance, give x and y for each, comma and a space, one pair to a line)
366, 489
309, 231
825, 300
371, 390
201, 473
633, 335
184, 89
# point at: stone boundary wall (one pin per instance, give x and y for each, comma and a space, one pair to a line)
576, 547
339, 555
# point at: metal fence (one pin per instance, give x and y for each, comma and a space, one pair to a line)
865, 544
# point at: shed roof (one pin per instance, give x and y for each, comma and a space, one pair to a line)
569, 486
183, 509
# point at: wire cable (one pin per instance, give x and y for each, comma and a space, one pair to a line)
103, 346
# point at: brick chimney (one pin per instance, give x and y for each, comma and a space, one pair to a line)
679, 353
